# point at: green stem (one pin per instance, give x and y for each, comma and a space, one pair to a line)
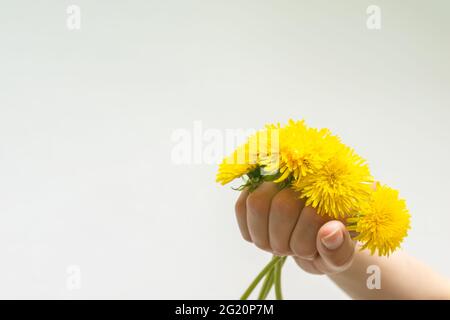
267, 285
277, 272
258, 278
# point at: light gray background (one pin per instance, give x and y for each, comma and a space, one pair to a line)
86, 120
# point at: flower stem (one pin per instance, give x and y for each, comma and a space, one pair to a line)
277, 273
258, 278
267, 285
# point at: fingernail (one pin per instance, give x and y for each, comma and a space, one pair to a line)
334, 240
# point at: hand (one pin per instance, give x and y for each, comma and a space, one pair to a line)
277, 221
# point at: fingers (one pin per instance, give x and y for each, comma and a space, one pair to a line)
284, 213
278, 222
258, 208
241, 215
303, 239
335, 247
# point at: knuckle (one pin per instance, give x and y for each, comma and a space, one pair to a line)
255, 203
284, 205
313, 216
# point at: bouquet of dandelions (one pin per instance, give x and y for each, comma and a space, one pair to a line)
331, 178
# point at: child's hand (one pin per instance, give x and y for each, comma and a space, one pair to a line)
278, 221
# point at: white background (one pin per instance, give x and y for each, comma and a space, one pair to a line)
87, 117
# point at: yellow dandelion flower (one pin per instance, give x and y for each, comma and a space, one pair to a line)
246, 157
383, 222
302, 150
235, 165
339, 187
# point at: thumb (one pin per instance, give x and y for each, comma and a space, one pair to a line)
335, 247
